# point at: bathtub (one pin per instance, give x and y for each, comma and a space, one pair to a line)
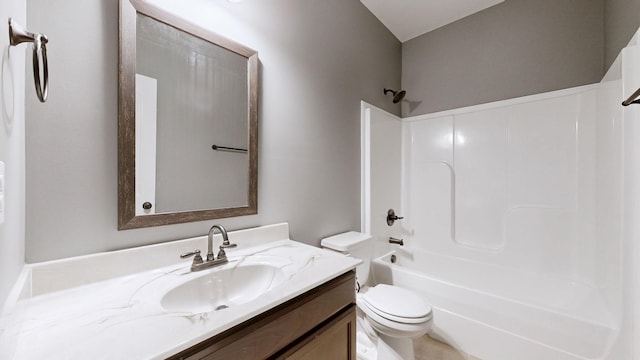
498, 313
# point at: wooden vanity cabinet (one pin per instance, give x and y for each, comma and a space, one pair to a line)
335, 340
319, 324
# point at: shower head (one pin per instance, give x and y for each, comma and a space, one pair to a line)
397, 95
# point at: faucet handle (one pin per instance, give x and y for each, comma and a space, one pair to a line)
392, 217
197, 258
222, 254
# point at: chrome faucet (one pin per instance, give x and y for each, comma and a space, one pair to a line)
225, 242
210, 255
212, 260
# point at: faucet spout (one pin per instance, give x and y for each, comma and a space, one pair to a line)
225, 239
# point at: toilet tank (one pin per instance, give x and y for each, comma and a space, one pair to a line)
354, 244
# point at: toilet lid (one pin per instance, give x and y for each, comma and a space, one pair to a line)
396, 303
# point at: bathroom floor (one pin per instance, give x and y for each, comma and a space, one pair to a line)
427, 348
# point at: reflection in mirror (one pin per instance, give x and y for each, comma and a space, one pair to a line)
201, 101
187, 122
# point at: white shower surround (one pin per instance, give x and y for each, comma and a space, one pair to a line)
520, 219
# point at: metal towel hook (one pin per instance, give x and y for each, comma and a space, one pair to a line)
18, 35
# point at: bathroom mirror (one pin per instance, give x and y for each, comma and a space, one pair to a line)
187, 121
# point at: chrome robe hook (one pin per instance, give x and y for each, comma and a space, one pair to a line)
18, 35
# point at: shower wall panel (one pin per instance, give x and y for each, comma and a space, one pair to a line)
480, 164
381, 174
509, 183
431, 176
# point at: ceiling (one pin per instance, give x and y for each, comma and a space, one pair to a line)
411, 18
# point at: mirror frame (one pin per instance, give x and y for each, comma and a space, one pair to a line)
127, 218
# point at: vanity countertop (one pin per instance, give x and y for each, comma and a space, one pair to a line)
107, 306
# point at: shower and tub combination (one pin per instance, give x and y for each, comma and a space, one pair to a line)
520, 220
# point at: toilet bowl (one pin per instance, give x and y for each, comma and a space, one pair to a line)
389, 316
395, 311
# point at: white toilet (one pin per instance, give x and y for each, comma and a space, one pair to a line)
388, 316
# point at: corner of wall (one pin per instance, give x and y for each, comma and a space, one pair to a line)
621, 21
12, 149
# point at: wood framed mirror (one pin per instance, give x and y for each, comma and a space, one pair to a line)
187, 121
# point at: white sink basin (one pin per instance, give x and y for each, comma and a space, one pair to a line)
218, 289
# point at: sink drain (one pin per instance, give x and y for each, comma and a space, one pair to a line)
221, 307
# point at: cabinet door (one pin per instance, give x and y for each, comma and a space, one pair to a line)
335, 340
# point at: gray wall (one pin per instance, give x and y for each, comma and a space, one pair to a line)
516, 48
318, 60
621, 21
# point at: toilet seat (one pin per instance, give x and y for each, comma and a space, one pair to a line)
397, 304
384, 307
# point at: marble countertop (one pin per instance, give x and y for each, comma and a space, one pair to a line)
59, 312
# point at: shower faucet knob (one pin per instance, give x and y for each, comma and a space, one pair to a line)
392, 217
